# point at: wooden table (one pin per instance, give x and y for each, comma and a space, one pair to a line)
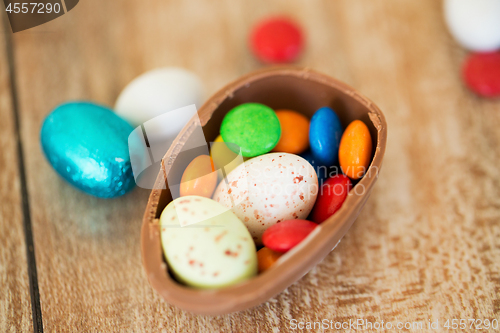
426, 246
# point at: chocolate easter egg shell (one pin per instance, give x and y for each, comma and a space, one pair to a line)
299, 89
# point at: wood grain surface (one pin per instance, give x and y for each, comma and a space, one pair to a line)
15, 310
425, 247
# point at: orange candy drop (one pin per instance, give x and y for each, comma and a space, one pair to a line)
355, 150
266, 258
199, 178
294, 132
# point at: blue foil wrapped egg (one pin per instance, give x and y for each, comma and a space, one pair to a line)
325, 133
87, 144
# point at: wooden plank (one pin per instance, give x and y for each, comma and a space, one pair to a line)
15, 306
425, 247
429, 235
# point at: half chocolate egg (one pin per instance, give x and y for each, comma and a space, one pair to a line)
299, 89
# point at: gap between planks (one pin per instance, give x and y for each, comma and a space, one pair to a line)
28, 233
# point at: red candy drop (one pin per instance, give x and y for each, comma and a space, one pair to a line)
331, 197
276, 40
481, 73
283, 236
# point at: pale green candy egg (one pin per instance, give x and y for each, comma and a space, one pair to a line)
205, 244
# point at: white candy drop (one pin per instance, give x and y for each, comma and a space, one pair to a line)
474, 23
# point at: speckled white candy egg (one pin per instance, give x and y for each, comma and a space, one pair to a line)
474, 23
205, 244
268, 189
159, 91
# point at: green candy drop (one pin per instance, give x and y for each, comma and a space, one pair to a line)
253, 127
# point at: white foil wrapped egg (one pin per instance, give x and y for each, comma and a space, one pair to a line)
157, 92
475, 24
